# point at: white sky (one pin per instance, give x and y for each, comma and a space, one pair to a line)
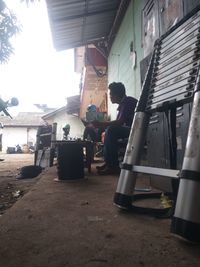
36, 73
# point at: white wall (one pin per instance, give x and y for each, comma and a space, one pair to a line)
120, 60
13, 136
31, 135
62, 118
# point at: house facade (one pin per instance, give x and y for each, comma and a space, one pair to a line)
125, 32
61, 117
92, 66
21, 130
143, 23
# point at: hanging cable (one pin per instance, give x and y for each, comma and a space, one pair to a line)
100, 73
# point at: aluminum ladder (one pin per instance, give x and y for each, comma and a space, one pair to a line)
172, 79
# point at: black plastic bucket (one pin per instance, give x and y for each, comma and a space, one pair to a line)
70, 161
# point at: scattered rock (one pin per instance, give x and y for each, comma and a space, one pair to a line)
94, 219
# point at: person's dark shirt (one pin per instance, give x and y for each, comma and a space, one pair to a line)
126, 110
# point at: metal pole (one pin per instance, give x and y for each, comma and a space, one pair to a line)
186, 220
53, 144
127, 179
53, 134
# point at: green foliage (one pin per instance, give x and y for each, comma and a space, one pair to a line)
8, 27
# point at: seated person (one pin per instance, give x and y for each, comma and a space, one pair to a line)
116, 129
90, 132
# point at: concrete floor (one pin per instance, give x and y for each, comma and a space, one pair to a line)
74, 223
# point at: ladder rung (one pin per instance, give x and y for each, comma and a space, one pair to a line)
157, 171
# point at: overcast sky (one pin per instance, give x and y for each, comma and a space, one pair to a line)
36, 73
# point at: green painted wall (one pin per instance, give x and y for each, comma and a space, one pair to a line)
120, 63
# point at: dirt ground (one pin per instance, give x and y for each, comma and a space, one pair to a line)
11, 188
75, 224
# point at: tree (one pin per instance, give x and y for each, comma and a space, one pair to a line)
8, 27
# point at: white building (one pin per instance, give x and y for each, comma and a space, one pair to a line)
61, 117
21, 130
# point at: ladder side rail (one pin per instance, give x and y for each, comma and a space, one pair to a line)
186, 220
127, 179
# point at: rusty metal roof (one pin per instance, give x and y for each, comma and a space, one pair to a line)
75, 23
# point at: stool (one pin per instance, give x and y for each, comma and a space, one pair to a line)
70, 164
71, 159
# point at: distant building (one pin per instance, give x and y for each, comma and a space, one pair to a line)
22, 129
61, 117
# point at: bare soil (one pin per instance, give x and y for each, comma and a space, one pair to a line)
11, 188
75, 224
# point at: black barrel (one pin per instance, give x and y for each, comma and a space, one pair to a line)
70, 161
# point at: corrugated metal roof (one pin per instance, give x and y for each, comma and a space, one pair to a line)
53, 113
23, 119
79, 22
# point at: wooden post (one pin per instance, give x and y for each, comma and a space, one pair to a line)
53, 144
37, 145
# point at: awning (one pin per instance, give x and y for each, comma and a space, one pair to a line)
75, 23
